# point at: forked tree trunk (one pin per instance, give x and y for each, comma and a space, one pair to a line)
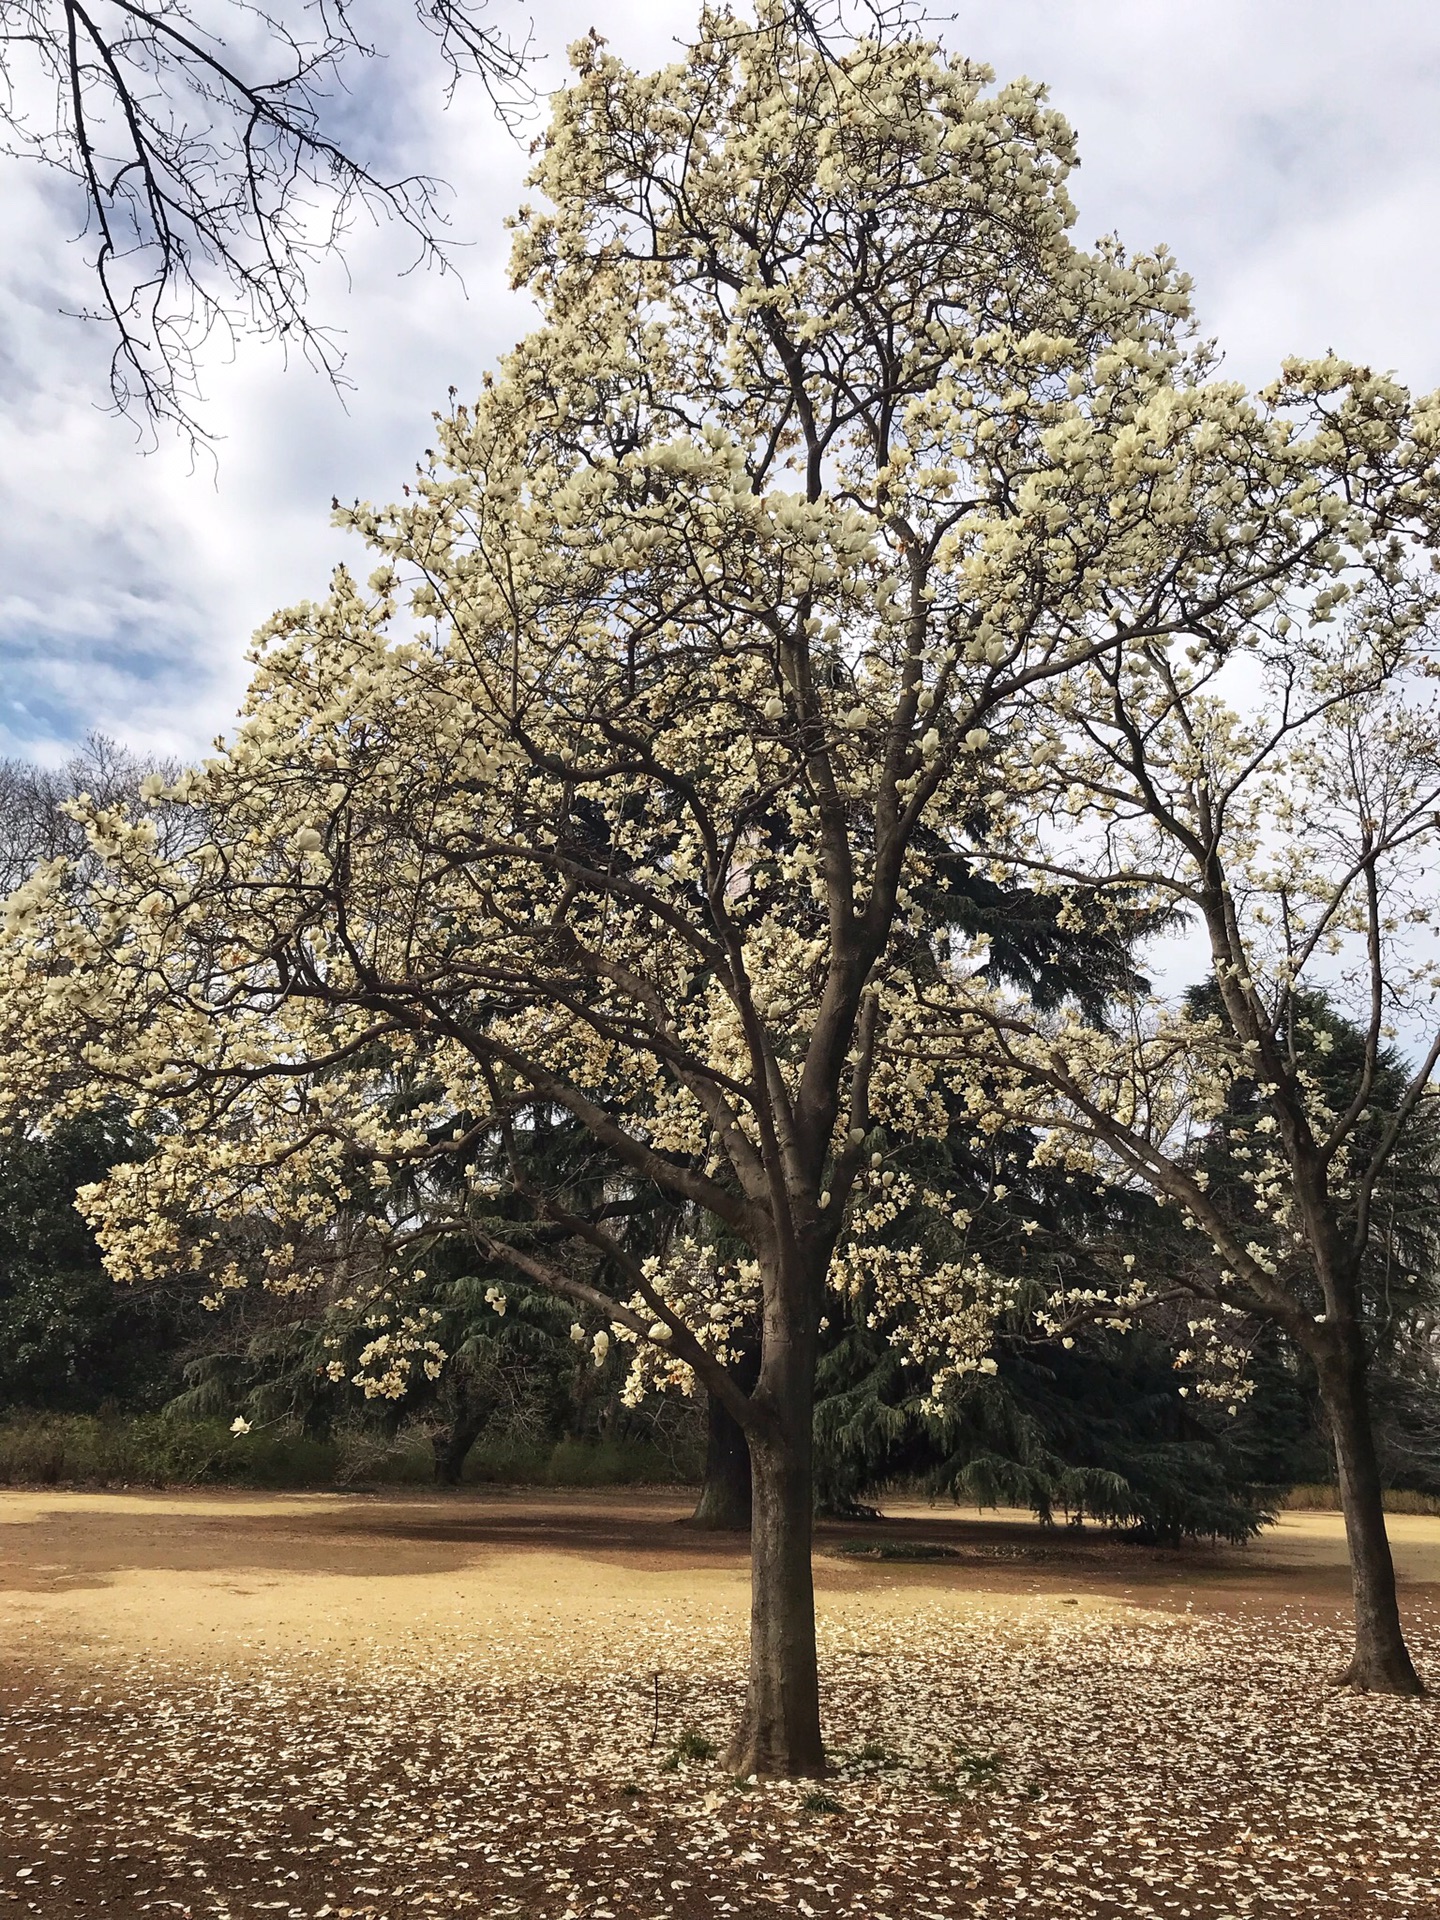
1381, 1662
724, 1503
452, 1444
779, 1733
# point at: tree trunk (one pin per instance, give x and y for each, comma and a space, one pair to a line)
779, 1732
724, 1503
1381, 1662
452, 1444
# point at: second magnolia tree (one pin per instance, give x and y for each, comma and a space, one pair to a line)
618, 792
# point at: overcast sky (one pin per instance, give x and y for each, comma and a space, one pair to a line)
1288, 152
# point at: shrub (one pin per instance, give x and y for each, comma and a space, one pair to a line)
156, 1450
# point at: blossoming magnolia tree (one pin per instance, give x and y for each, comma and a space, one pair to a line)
1286, 801
609, 797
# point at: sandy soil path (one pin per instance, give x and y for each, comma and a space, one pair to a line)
221, 1575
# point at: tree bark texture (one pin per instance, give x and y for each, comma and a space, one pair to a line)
779, 1733
1381, 1661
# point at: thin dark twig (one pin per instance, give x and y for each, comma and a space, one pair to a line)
213, 178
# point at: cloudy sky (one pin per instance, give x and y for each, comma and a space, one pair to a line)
1288, 153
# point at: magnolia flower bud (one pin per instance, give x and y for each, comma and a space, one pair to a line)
1067, 1343
659, 1330
857, 719
774, 707
600, 1346
930, 744
856, 1136
925, 702
825, 1200
577, 1333
989, 1366
308, 840
976, 738
152, 786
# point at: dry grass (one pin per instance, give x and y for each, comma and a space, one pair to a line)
451, 1716
1326, 1499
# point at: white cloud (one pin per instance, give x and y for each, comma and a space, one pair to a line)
1289, 156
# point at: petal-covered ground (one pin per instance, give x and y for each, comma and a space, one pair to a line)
523, 1732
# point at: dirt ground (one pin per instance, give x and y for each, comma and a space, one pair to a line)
498, 1703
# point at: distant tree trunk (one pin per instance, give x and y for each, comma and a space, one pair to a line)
1381, 1661
452, 1444
724, 1503
779, 1731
